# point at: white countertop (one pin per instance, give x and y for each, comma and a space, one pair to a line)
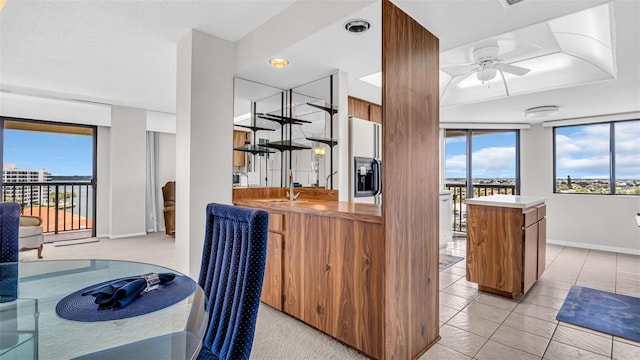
514, 201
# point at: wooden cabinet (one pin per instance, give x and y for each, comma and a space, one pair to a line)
328, 271
505, 247
333, 278
272, 284
239, 137
375, 113
364, 110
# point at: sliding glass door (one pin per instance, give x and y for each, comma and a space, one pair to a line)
480, 163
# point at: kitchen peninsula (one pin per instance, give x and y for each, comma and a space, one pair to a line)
506, 242
325, 266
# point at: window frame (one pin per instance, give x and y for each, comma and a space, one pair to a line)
612, 157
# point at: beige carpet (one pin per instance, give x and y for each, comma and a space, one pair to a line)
278, 336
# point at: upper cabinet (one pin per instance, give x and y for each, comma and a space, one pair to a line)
239, 139
366, 110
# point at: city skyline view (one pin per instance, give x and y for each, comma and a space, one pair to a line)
60, 154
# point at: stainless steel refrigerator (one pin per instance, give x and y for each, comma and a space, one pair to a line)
365, 169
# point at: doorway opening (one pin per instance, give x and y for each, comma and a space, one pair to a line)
480, 163
49, 168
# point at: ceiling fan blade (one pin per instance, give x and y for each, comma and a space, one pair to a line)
511, 69
518, 52
458, 69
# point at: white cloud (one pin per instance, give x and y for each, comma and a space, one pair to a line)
491, 162
583, 152
494, 162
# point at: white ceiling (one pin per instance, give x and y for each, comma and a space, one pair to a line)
124, 52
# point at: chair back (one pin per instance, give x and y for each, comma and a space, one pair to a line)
231, 274
9, 227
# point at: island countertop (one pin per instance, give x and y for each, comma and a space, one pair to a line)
355, 211
513, 201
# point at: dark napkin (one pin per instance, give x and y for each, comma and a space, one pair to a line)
120, 293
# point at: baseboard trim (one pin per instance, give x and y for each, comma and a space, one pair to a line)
595, 247
127, 235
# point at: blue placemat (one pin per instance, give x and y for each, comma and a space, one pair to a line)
611, 313
82, 308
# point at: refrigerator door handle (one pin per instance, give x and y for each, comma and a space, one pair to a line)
377, 179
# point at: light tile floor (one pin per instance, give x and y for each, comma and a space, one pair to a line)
474, 325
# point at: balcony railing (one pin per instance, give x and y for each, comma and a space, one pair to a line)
460, 194
62, 206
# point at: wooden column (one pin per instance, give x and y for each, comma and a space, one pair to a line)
410, 108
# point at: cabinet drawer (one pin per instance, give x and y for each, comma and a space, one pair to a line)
542, 211
530, 216
276, 222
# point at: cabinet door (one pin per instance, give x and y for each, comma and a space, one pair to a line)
272, 284
542, 246
530, 257
375, 112
358, 108
239, 138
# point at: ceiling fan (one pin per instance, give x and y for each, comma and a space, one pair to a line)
488, 63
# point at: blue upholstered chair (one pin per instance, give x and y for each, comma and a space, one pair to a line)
9, 227
231, 274
9, 224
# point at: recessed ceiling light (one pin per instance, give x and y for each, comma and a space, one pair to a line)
279, 63
2, 3
357, 26
540, 111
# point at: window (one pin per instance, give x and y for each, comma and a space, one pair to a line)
599, 158
480, 163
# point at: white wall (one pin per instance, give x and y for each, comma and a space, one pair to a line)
128, 154
103, 181
601, 222
204, 139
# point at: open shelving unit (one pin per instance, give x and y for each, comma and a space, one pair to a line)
281, 112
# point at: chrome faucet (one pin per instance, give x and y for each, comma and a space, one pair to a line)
328, 177
290, 195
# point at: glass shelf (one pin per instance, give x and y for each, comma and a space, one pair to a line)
330, 142
283, 120
254, 128
330, 109
254, 149
286, 145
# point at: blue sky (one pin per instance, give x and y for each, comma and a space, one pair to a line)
62, 154
493, 156
582, 152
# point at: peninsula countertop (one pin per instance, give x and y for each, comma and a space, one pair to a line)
347, 210
514, 201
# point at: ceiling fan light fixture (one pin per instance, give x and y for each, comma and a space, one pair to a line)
357, 26
540, 111
486, 74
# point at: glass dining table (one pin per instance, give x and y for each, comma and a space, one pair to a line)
30, 327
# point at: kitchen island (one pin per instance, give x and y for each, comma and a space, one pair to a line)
506, 242
325, 267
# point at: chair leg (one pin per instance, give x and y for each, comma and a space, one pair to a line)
40, 251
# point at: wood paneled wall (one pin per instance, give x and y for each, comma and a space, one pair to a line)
410, 108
